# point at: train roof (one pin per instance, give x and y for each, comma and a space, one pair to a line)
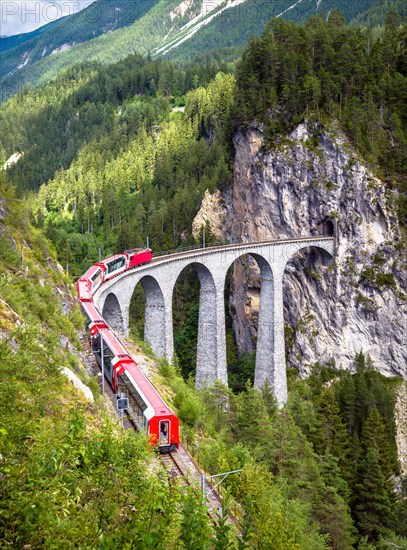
92, 312
112, 258
137, 250
113, 342
150, 393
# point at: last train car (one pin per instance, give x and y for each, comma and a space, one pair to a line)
146, 409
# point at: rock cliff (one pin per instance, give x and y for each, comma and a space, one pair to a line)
312, 182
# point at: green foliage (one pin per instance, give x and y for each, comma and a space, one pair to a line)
69, 475
328, 69
373, 507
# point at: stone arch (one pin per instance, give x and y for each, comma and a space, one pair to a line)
325, 254
264, 367
112, 313
209, 363
154, 314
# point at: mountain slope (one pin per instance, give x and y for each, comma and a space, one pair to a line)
181, 29
101, 17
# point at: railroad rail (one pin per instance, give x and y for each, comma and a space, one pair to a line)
181, 465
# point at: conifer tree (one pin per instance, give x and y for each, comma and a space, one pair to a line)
372, 504
374, 437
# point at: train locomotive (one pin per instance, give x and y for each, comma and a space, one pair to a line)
145, 408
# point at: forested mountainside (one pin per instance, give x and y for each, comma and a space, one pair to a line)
98, 18
70, 476
108, 156
107, 31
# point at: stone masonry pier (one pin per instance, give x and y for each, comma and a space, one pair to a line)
159, 278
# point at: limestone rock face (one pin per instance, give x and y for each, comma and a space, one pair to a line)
401, 425
212, 212
312, 183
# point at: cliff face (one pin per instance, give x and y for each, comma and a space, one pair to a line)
314, 183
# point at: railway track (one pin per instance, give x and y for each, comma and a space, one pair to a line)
173, 469
182, 466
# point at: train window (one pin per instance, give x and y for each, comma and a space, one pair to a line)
97, 278
164, 432
136, 403
116, 264
107, 354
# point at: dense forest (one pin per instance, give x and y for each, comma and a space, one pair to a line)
113, 156
106, 31
324, 70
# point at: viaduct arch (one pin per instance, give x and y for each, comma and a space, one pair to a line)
158, 280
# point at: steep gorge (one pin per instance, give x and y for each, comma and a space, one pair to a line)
313, 182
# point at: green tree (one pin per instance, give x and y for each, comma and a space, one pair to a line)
372, 504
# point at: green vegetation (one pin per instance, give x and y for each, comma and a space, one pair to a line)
323, 70
107, 31
108, 162
69, 476
308, 471
122, 166
96, 19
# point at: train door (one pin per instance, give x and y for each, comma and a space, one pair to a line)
164, 432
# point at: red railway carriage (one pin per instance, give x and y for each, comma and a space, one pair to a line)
88, 284
92, 314
139, 256
84, 290
122, 262
146, 408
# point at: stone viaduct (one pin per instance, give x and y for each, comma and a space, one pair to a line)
158, 279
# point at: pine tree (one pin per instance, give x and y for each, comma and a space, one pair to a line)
331, 435
372, 504
374, 437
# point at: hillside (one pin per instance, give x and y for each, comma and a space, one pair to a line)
69, 475
310, 129
157, 26
101, 17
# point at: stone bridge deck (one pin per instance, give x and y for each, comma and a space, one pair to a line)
159, 277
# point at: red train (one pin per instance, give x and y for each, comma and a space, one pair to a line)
145, 408
109, 268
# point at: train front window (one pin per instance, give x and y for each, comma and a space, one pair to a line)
164, 432
116, 264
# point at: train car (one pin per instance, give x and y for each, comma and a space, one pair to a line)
114, 265
149, 411
139, 256
84, 290
146, 409
88, 284
91, 313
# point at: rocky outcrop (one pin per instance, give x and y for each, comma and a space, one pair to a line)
401, 426
313, 182
212, 213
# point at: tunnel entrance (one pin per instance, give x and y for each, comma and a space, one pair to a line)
327, 227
